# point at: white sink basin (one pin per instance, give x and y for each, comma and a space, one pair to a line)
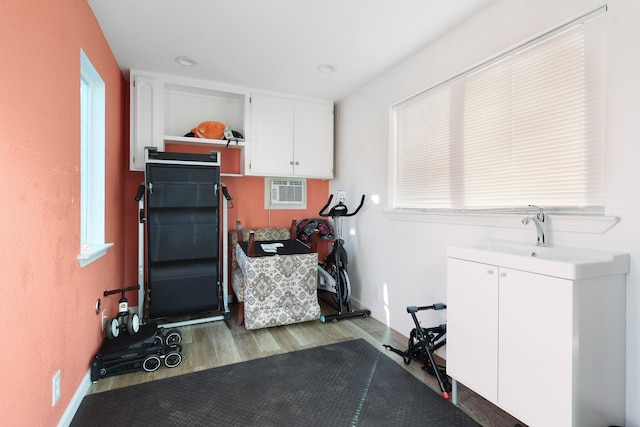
558, 261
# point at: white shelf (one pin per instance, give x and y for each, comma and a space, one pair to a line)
171, 139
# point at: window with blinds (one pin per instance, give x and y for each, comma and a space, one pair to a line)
524, 128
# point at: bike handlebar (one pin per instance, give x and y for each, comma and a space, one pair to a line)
340, 209
414, 309
122, 291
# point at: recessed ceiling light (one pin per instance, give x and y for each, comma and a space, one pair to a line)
186, 61
326, 68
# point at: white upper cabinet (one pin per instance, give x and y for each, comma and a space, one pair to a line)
313, 139
290, 137
146, 117
166, 108
282, 135
185, 107
272, 132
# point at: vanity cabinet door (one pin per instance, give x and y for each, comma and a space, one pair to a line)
472, 326
536, 347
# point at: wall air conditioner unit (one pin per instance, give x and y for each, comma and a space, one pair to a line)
285, 193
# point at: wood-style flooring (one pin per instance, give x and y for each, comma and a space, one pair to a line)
213, 344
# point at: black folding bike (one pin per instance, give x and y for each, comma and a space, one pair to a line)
423, 342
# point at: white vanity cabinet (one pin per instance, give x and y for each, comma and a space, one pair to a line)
291, 137
548, 350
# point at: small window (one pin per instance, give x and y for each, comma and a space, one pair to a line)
92, 164
526, 127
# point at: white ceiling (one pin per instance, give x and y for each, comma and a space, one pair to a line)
277, 45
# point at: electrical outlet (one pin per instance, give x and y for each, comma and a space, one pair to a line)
55, 388
103, 319
342, 196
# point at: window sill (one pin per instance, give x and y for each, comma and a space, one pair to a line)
92, 252
557, 222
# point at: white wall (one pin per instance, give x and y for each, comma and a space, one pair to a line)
407, 258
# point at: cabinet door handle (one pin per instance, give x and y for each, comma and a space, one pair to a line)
490, 272
291, 162
503, 274
297, 163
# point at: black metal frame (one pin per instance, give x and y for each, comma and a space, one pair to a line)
336, 265
143, 351
423, 342
179, 234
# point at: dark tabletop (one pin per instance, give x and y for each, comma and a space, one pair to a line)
281, 247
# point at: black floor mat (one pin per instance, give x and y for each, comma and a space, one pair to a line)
345, 384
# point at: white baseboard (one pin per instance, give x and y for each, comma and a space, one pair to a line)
73, 406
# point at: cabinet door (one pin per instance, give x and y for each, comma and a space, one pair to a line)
536, 348
291, 137
271, 136
313, 140
146, 118
472, 326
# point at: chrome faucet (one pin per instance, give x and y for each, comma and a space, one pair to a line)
538, 220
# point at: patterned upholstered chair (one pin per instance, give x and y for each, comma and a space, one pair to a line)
273, 290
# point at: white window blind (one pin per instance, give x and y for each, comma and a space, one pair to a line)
524, 128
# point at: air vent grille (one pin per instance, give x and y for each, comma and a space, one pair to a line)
287, 191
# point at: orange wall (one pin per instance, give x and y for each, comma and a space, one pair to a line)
47, 301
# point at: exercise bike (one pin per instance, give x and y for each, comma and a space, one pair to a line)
332, 273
